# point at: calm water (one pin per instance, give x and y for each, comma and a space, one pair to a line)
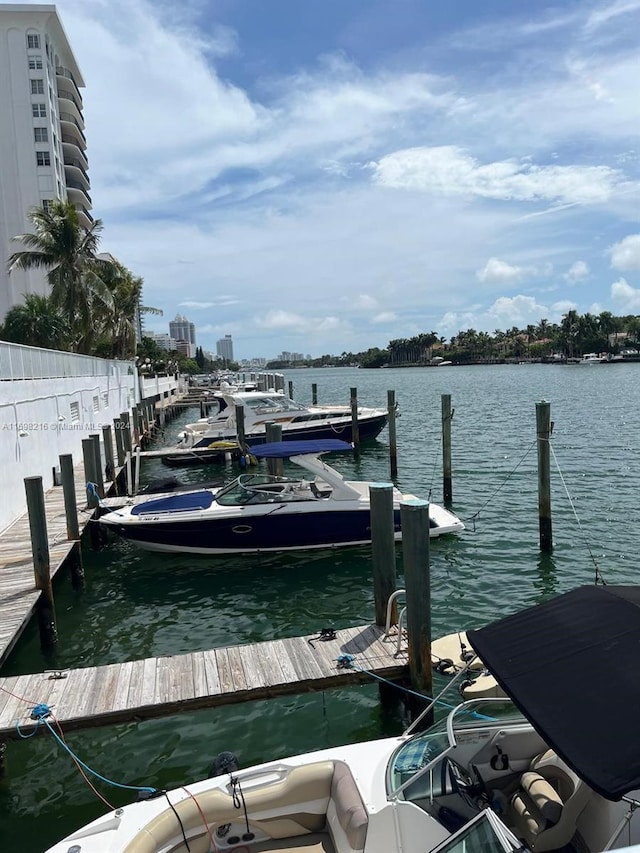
137, 605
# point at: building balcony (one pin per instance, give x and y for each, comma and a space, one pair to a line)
78, 194
72, 137
65, 94
72, 152
86, 219
65, 74
69, 109
75, 171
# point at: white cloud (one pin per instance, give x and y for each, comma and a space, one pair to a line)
365, 302
450, 170
576, 272
518, 311
300, 324
604, 14
220, 300
625, 255
499, 271
625, 297
385, 317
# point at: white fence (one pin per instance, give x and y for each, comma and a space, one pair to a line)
21, 362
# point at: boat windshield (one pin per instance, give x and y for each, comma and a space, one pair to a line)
415, 764
277, 403
485, 833
262, 489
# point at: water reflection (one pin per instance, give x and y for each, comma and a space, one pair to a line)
546, 584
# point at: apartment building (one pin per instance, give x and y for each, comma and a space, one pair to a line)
224, 348
42, 140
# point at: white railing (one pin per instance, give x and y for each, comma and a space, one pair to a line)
21, 362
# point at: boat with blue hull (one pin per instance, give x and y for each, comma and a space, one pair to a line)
264, 512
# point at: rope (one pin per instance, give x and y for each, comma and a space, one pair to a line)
40, 713
598, 574
348, 662
502, 485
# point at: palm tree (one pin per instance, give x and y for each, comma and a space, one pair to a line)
37, 323
120, 323
68, 252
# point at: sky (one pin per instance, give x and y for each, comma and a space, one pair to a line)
321, 177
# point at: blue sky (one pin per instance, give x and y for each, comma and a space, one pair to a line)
328, 176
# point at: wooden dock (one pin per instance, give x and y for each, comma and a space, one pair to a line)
18, 593
141, 689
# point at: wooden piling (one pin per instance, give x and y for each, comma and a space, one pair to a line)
543, 429
118, 432
89, 458
383, 550
95, 438
393, 445
126, 431
290, 390
275, 466
355, 429
69, 492
314, 394
109, 462
41, 562
447, 415
71, 513
242, 441
414, 518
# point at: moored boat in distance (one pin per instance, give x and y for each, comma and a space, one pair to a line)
298, 421
263, 512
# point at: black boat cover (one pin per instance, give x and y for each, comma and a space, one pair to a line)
572, 666
285, 449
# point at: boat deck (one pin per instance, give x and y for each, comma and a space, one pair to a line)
141, 689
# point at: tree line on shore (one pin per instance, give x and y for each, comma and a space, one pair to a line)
575, 335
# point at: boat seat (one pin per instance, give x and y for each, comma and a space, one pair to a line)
544, 811
320, 490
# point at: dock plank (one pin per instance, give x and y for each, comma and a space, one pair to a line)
133, 690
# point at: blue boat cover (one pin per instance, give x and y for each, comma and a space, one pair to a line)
285, 449
175, 503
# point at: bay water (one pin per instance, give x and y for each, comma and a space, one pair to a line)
137, 604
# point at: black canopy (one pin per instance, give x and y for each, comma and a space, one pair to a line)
572, 666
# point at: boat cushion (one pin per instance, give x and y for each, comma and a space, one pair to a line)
545, 798
346, 808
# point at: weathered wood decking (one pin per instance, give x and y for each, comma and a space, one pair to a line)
18, 593
142, 689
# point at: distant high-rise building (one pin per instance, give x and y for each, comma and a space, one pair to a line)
182, 330
164, 340
224, 348
42, 141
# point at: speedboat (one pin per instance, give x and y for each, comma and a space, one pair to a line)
299, 422
264, 512
592, 358
554, 767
